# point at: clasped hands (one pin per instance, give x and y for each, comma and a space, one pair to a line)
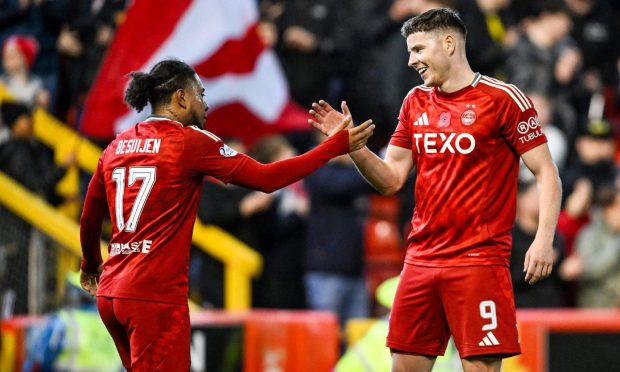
329, 122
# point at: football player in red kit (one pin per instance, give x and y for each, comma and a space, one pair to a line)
464, 133
148, 179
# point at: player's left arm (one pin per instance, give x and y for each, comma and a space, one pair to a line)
539, 257
94, 211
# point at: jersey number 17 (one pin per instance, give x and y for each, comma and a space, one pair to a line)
148, 177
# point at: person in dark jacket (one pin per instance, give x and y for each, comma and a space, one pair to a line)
490, 29
29, 162
26, 159
280, 224
314, 35
548, 293
334, 259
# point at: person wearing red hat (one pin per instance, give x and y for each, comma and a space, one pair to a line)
18, 55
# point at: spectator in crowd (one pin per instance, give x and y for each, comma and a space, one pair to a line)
41, 19
12, 12
270, 12
576, 212
82, 43
18, 55
549, 292
281, 228
545, 59
26, 159
594, 160
334, 258
314, 36
490, 30
573, 217
30, 163
533, 61
595, 30
596, 262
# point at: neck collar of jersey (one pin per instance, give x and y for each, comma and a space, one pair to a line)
162, 118
463, 90
476, 80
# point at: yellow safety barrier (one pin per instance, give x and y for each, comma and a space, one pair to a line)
65, 140
37, 212
241, 262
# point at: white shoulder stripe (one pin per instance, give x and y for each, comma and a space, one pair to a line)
520, 94
519, 103
514, 89
206, 133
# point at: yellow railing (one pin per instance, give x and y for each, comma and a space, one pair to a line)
38, 213
241, 263
65, 140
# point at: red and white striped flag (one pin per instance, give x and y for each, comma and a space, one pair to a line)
245, 86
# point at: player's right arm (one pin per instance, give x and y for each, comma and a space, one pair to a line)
386, 175
204, 153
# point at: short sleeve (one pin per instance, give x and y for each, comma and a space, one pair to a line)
205, 154
520, 125
402, 135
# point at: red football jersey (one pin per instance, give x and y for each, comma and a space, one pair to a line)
151, 176
466, 147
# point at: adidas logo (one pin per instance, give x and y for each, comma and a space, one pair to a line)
489, 340
422, 120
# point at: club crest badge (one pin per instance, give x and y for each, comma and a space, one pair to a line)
227, 151
468, 117
444, 119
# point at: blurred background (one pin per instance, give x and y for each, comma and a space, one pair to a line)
288, 281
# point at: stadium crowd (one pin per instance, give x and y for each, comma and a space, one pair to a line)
564, 54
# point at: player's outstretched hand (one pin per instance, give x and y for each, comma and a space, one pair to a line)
89, 282
538, 262
326, 119
358, 136
330, 121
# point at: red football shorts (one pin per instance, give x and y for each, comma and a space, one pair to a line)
149, 336
475, 304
